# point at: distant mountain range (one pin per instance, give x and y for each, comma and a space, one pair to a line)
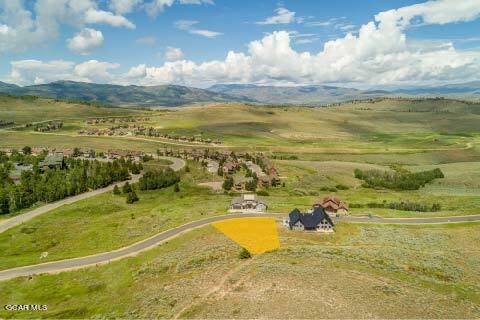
315, 95
174, 95
115, 95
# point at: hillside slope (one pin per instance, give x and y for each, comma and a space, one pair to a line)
166, 95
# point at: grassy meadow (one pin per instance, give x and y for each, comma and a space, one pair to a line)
362, 271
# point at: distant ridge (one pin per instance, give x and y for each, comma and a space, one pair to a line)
165, 95
322, 94
175, 95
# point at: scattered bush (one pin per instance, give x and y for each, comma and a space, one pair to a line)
330, 189
244, 254
176, 188
342, 187
263, 193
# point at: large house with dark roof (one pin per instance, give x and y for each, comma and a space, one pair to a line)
317, 220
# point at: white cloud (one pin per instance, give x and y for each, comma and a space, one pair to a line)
173, 54
189, 26
86, 41
23, 28
94, 70
100, 16
155, 7
27, 72
282, 16
124, 6
147, 40
379, 53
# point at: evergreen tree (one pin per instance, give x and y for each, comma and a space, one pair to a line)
27, 150
127, 188
116, 190
132, 197
227, 184
176, 188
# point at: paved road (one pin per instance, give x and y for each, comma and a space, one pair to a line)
103, 258
177, 164
106, 257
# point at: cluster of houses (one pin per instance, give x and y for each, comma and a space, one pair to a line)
95, 121
152, 132
265, 172
118, 130
4, 123
49, 126
78, 152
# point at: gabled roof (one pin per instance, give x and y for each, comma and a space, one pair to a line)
309, 220
294, 217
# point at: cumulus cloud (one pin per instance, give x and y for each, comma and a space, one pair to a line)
100, 16
155, 7
86, 41
378, 53
173, 54
189, 26
27, 72
124, 6
94, 70
282, 16
22, 28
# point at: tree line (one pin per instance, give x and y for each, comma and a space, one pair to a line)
402, 205
54, 184
397, 180
158, 179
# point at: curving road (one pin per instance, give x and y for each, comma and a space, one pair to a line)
177, 164
134, 249
103, 258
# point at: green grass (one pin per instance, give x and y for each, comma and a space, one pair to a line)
29, 110
362, 271
106, 222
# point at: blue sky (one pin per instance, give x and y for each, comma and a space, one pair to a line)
187, 41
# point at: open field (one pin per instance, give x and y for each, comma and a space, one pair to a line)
362, 271
383, 127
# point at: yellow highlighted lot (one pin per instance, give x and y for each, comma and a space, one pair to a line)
257, 235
